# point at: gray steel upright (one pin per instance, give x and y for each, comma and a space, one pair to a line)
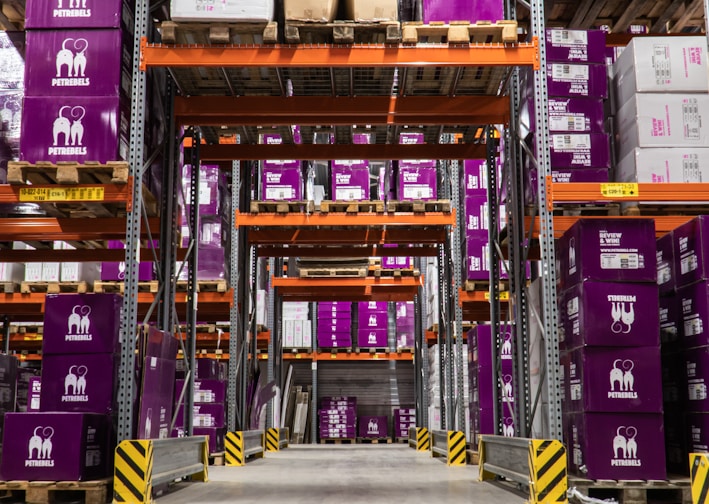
457, 280
314, 377
273, 326
129, 315
546, 229
445, 287
236, 333
421, 355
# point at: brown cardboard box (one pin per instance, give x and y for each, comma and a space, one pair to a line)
322, 11
372, 10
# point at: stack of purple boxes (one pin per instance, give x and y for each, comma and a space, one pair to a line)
71, 438
9, 393
334, 324
373, 324
350, 178
462, 10
396, 262
576, 80
481, 372
372, 427
405, 325
208, 394
417, 178
404, 419
78, 87
116, 271
609, 314
24, 386
338, 417
281, 180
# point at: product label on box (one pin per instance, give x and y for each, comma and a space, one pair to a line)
691, 119
693, 327
661, 64
422, 191
691, 172
571, 142
569, 37
350, 193
568, 122
621, 261
280, 193
562, 72
697, 390
689, 263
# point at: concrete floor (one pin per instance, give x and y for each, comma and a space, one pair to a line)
352, 474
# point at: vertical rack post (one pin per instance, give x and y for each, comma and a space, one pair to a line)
455, 259
314, 424
421, 357
546, 228
274, 325
129, 315
446, 285
236, 334
6, 334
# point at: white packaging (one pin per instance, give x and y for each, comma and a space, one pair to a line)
261, 308
221, 10
12, 272
50, 272
661, 65
298, 333
33, 272
79, 272
663, 120
307, 334
288, 333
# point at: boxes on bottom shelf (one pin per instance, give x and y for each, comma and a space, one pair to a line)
377, 338
215, 435
205, 391
373, 426
371, 10
282, 183
310, 10
578, 80
204, 415
465, 10
350, 181
694, 319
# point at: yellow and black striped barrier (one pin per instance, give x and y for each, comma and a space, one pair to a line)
537, 463
449, 444
423, 439
141, 465
699, 467
276, 438
240, 445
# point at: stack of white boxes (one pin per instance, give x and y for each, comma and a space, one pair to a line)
431, 292
50, 271
297, 328
662, 119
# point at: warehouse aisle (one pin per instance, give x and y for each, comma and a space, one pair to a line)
343, 473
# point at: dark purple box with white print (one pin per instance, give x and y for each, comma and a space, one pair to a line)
336, 325
350, 180
577, 80
696, 378
579, 150
694, 306
584, 46
77, 14
670, 319
417, 182
674, 379
616, 446
691, 251
373, 426
377, 338
372, 320
372, 306
281, 183
204, 415
665, 264
610, 314
215, 435
697, 429
567, 115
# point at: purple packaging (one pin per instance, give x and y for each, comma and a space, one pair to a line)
631, 378
696, 374
215, 436
674, 386
34, 394
612, 250
409, 138
282, 183
56, 446
577, 80
694, 306
476, 214
670, 319
477, 258
161, 344
616, 446
676, 443
462, 10
205, 391
373, 426
335, 305
70, 14
579, 150
338, 433
373, 306
204, 415
207, 369
417, 182
209, 188
77, 63
610, 314
329, 326
404, 310
397, 262
156, 398
563, 175
697, 424
568, 115
584, 46
405, 339
377, 338
77, 129
691, 251
350, 180
83, 383
665, 264
339, 343
116, 271
474, 181
372, 320
81, 323
484, 421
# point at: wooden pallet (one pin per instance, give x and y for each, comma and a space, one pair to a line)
333, 272
652, 210
27, 329
54, 287
342, 32
282, 207
22, 172
443, 206
372, 350
335, 350
216, 459
218, 33
636, 492
119, 287
401, 440
327, 206
473, 457
337, 440
44, 492
401, 350
204, 286
396, 273
459, 32
9, 287
483, 285
366, 440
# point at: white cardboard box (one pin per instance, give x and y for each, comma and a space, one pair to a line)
33, 272
289, 333
50, 272
221, 10
663, 120
661, 65
307, 334
664, 165
298, 333
310, 10
372, 10
79, 271
12, 272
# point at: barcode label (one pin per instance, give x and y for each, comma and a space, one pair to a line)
568, 122
661, 64
569, 37
690, 168
691, 119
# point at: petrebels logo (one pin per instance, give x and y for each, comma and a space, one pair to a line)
606, 238
624, 444
506, 353
71, 131
622, 313
75, 8
372, 338
508, 428
507, 389
75, 385
372, 427
40, 448
75, 64
622, 377
372, 321
79, 324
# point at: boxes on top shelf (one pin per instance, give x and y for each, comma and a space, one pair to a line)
310, 10
282, 181
417, 180
691, 251
579, 150
350, 180
94, 14
661, 65
372, 10
224, 11
474, 177
376, 338
566, 115
582, 46
372, 306
462, 10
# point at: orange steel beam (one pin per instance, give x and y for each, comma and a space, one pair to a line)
340, 251
79, 255
357, 55
331, 110
53, 193
351, 236
251, 152
50, 228
429, 219
663, 223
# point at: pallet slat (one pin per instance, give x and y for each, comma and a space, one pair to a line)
342, 32
459, 32
327, 206
45, 492
22, 172
217, 33
54, 287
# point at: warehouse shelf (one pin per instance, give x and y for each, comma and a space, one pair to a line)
360, 251
347, 289
476, 304
626, 192
82, 193
663, 223
78, 255
69, 229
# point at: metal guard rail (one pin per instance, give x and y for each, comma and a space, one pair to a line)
240, 445
419, 438
277, 438
143, 464
451, 445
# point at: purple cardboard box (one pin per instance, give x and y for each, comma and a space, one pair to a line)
670, 319
405, 339
81, 323
676, 443
697, 378
474, 178
84, 383
56, 446
350, 180
611, 314
326, 334
161, 344
204, 415
674, 379
691, 251
580, 150
209, 188
116, 271
623, 380
409, 138
571, 115
462, 10
207, 369
698, 426
340, 325
665, 264
34, 394
694, 303
562, 175
373, 426
372, 320
397, 262
348, 433
476, 213
616, 446
417, 182
75, 14
477, 258
77, 63
484, 421
373, 306
404, 310
215, 435
156, 398
338, 343
584, 46
377, 338
608, 250
76, 129
335, 305
205, 391
282, 184
577, 80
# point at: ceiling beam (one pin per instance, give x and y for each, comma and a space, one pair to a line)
688, 14
660, 25
580, 14
631, 13
592, 15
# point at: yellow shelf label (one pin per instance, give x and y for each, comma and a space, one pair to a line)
375, 356
45, 194
333, 356
298, 356
504, 296
620, 190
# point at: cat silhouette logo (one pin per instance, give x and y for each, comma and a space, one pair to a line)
622, 313
506, 352
372, 338
72, 9
68, 132
622, 379
72, 55
625, 447
372, 321
507, 394
79, 324
40, 448
75, 384
372, 427
508, 427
